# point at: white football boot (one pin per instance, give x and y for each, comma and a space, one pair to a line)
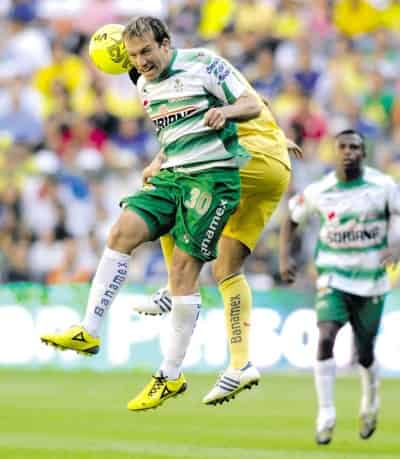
325, 425
370, 401
231, 382
369, 416
157, 304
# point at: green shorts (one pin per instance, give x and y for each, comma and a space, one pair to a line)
193, 208
363, 313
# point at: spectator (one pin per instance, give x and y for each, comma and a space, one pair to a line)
266, 79
16, 56
378, 101
345, 12
309, 122
21, 123
305, 75
72, 140
66, 69
254, 16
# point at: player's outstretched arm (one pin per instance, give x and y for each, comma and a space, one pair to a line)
246, 107
287, 265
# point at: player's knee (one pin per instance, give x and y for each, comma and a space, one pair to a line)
325, 346
366, 357
179, 271
326, 340
219, 271
115, 235
224, 267
126, 234
184, 273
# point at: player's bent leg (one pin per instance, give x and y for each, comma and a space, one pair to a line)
169, 381
157, 391
237, 299
324, 374
365, 332
236, 294
129, 231
160, 302
232, 382
324, 377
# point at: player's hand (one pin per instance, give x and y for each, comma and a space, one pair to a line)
294, 149
215, 118
153, 168
390, 257
287, 269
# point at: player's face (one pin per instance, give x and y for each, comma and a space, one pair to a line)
149, 57
349, 151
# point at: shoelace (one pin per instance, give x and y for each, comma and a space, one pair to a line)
159, 381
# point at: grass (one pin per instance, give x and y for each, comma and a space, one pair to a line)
56, 415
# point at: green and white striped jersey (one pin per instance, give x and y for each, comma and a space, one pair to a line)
195, 81
354, 229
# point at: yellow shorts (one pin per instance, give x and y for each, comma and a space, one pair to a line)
264, 180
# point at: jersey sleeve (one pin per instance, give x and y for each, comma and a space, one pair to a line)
393, 198
223, 81
300, 206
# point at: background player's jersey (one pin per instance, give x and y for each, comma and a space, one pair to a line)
354, 229
195, 81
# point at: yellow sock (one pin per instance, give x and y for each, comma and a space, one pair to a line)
167, 247
237, 300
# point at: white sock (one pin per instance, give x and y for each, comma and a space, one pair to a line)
184, 314
109, 278
324, 375
369, 389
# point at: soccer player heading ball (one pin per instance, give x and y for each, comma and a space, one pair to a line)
196, 101
263, 179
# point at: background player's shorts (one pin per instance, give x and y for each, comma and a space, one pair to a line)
193, 208
363, 313
264, 180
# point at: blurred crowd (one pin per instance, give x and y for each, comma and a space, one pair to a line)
73, 141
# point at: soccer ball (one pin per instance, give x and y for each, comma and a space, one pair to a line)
107, 50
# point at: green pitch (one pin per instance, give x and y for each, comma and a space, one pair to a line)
48, 415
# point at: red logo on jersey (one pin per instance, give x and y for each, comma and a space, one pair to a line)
145, 103
331, 215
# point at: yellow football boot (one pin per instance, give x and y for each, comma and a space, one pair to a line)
75, 338
157, 391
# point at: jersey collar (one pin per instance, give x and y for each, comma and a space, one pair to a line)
351, 183
168, 71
